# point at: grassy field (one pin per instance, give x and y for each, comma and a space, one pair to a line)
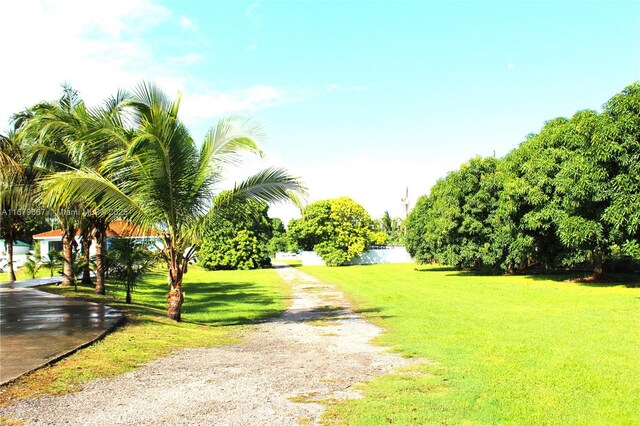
21, 274
514, 350
216, 306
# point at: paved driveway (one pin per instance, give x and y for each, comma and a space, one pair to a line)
37, 328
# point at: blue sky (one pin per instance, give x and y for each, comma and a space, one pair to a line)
359, 98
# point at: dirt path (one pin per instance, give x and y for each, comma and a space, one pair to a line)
317, 349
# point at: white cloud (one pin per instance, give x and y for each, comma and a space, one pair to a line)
93, 45
511, 65
202, 106
187, 24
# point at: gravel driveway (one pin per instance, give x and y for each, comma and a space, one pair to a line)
317, 349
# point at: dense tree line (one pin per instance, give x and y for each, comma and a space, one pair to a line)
566, 197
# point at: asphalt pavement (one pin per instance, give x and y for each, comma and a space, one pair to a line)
37, 328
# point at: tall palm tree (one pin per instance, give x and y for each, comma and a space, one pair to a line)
109, 136
15, 194
67, 135
163, 181
54, 130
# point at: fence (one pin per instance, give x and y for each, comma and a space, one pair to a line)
375, 255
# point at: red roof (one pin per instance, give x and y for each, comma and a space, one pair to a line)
117, 228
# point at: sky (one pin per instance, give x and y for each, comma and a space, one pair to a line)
360, 99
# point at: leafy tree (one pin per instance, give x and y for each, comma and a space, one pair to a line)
526, 221
338, 230
417, 223
280, 241
453, 224
162, 180
565, 196
618, 151
599, 183
130, 262
238, 237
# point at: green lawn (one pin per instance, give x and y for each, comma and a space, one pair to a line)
21, 274
518, 350
216, 306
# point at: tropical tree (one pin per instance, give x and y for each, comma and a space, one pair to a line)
130, 262
392, 227
456, 225
67, 135
279, 241
237, 237
161, 180
338, 230
51, 130
16, 194
32, 266
51, 262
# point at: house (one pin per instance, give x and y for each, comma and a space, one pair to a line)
52, 240
20, 252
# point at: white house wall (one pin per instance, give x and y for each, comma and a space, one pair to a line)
397, 254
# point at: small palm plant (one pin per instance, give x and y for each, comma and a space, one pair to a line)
52, 262
32, 266
129, 263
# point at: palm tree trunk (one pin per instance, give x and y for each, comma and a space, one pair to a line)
128, 298
68, 278
12, 273
175, 297
99, 234
99, 265
86, 255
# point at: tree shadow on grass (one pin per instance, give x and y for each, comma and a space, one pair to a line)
227, 301
585, 278
435, 269
330, 313
206, 303
580, 277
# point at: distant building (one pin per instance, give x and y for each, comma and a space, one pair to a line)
20, 253
52, 240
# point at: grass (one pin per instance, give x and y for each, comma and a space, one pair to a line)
505, 349
216, 306
21, 274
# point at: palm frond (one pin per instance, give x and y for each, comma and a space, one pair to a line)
90, 188
271, 185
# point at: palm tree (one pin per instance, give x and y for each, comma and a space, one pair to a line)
53, 130
32, 266
65, 135
109, 136
392, 226
130, 262
51, 262
163, 181
16, 190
